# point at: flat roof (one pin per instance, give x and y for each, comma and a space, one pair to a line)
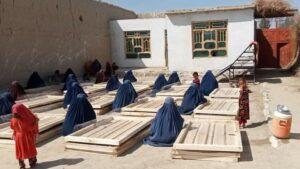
204, 10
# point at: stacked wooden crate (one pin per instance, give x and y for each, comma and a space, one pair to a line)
49, 126
43, 103
213, 140
111, 136
146, 107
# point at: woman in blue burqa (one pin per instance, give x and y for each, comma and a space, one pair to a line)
160, 82
35, 81
6, 103
72, 92
208, 83
126, 95
192, 98
129, 76
174, 78
113, 83
70, 79
79, 112
166, 126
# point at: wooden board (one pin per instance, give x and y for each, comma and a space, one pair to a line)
49, 125
45, 89
217, 140
110, 150
174, 91
148, 105
41, 101
93, 89
138, 89
112, 131
102, 101
232, 93
218, 109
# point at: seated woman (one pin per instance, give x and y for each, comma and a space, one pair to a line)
174, 78
108, 70
126, 95
35, 81
113, 83
208, 83
192, 98
129, 76
160, 82
67, 73
6, 103
72, 93
16, 90
79, 112
114, 67
100, 77
70, 79
56, 78
166, 125
96, 67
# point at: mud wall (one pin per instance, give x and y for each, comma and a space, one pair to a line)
45, 35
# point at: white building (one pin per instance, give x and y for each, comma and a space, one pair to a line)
184, 40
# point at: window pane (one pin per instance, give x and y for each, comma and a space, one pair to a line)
221, 44
209, 35
145, 33
144, 55
198, 46
131, 55
218, 24
218, 53
137, 49
201, 25
201, 53
210, 45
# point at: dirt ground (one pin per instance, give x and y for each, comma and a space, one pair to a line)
258, 153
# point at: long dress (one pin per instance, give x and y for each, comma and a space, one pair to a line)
25, 129
160, 82
208, 83
244, 105
126, 95
35, 81
174, 78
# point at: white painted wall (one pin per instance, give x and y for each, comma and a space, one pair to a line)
157, 41
180, 56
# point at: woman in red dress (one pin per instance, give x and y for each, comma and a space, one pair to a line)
243, 103
25, 126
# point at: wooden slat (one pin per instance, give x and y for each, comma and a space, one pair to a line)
175, 91
102, 101
210, 135
41, 101
112, 133
138, 89
232, 93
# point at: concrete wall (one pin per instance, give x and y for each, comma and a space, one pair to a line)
157, 41
240, 34
44, 35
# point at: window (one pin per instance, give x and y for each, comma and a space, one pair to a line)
137, 44
209, 39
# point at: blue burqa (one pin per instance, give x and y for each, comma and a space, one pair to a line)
174, 78
80, 111
192, 98
6, 103
67, 73
129, 76
35, 81
126, 95
113, 83
166, 125
160, 82
70, 79
72, 93
208, 83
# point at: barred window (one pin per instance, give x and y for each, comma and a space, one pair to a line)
209, 39
137, 44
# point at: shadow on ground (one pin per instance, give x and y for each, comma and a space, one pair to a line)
258, 124
247, 152
59, 162
295, 136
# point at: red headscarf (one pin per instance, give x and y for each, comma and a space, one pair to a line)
26, 120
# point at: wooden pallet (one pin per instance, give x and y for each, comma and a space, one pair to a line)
103, 103
138, 88
41, 101
49, 126
231, 93
112, 136
216, 140
146, 107
94, 89
174, 91
218, 109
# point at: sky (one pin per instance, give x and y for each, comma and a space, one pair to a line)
140, 6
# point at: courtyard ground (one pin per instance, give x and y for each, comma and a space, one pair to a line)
283, 88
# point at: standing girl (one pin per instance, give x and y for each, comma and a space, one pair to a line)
243, 102
25, 126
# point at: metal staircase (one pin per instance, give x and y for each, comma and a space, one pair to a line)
244, 65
